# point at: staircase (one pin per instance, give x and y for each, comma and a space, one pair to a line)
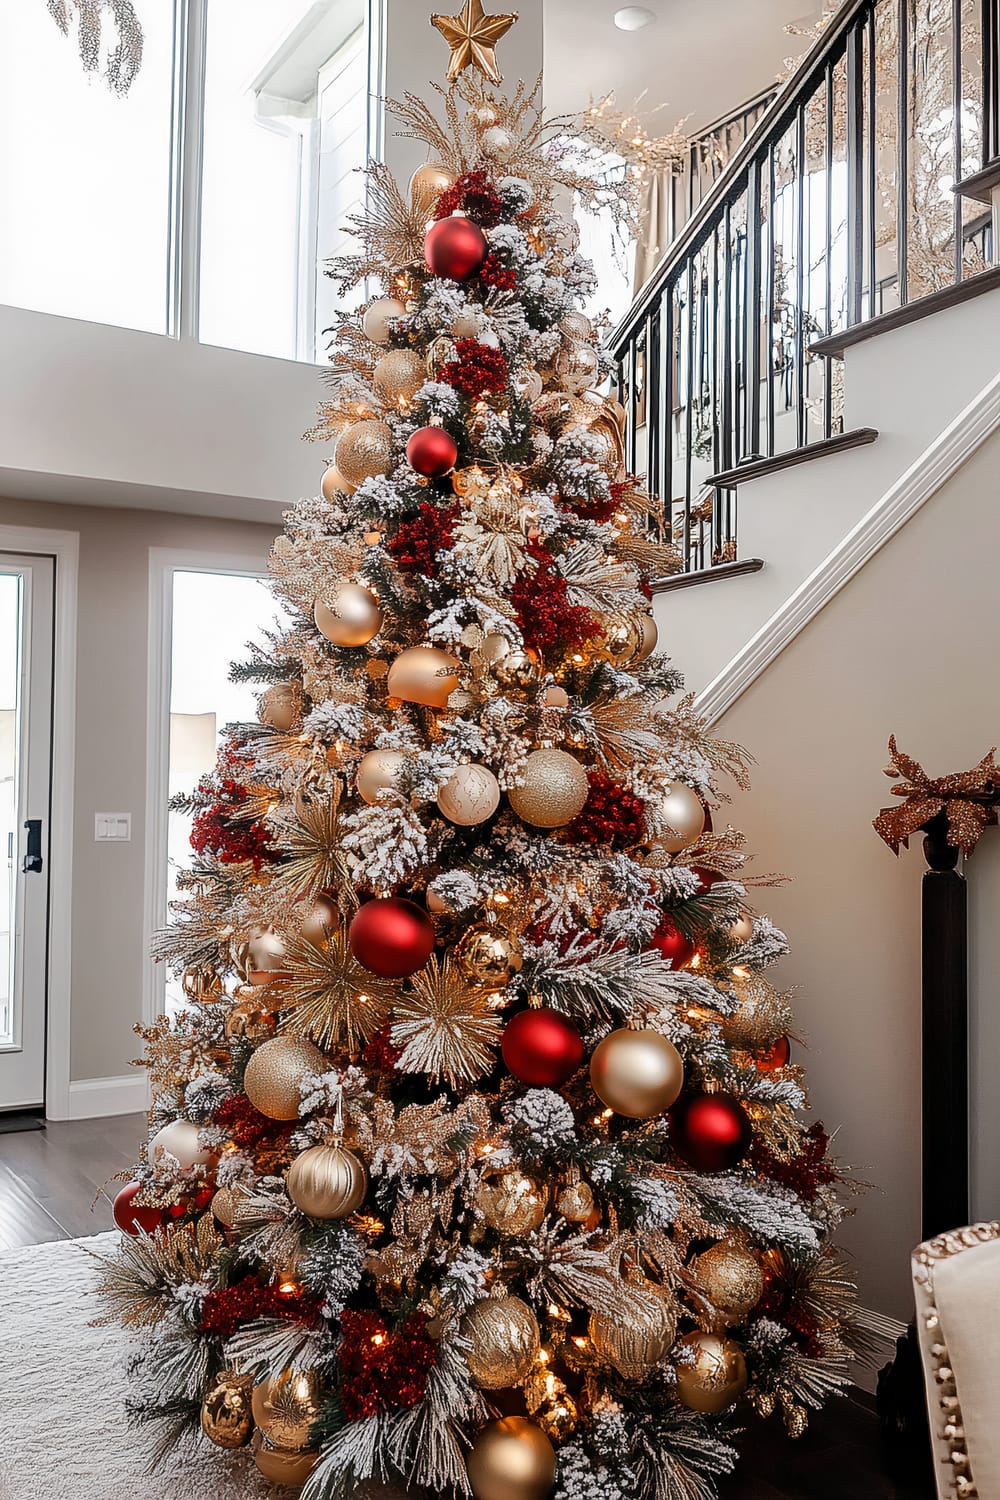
817, 351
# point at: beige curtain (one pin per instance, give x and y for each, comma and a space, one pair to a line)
656, 228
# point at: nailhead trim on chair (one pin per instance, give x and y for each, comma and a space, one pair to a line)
952, 1430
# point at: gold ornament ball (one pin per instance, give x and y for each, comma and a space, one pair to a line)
423, 674
378, 317
286, 1408
266, 950
399, 375
622, 639
556, 697
638, 1074
175, 1146
334, 485
511, 1459
684, 812
715, 1377
494, 648
531, 386
249, 1021
426, 186
741, 930
470, 797
436, 904
290, 1470
274, 1072
497, 142
376, 771
554, 790
636, 1342
650, 635
730, 1276
485, 115
488, 956
576, 366
327, 1182
511, 1203
223, 1207
318, 919
466, 325
576, 1202
364, 450
278, 706
515, 670
558, 1415
505, 1340
349, 616
576, 325
226, 1417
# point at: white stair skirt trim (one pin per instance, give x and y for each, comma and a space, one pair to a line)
93, 1098
925, 476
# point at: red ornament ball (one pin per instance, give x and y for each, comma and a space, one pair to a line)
672, 944
776, 1057
542, 1047
455, 248
711, 1132
706, 878
392, 937
132, 1217
432, 452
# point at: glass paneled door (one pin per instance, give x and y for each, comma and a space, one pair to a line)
26, 644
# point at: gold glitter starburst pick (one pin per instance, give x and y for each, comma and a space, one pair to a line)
472, 36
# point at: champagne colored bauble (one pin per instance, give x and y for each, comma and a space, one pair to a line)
266, 950
497, 142
426, 186
485, 115
249, 1021
432, 452
684, 813
716, 1378
576, 365
576, 325
730, 1276
275, 1071
399, 375
455, 248
133, 1217
226, 1417
378, 317
279, 706
554, 790
470, 797
541, 1047
622, 639
290, 1470
334, 486
741, 930
364, 450
511, 1203
711, 1132
467, 324
349, 616
636, 1341
223, 1206
423, 674
327, 1182
488, 956
515, 669
391, 936
576, 1202
378, 770
511, 1459
318, 919
503, 1332
638, 1074
556, 697
650, 636
286, 1408
530, 385
175, 1146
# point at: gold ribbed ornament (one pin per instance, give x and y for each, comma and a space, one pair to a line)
505, 1340
684, 812
399, 375
555, 789
223, 1206
730, 1276
715, 1377
488, 956
275, 1071
379, 315
288, 1469
377, 771
650, 636
226, 1417
511, 1459
364, 451
511, 1203
636, 1341
327, 1182
286, 1408
348, 616
423, 674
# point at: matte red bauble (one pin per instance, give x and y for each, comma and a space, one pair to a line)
455, 248
776, 1057
672, 944
131, 1217
392, 937
542, 1047
432, 452
711, 1132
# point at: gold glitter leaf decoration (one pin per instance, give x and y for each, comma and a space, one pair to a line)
445, 1028
966, 798
333, 999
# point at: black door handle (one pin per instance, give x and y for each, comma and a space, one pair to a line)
33, 854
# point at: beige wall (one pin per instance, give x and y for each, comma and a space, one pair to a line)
107, 937
910, 646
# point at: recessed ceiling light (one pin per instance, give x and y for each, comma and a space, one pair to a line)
633, 17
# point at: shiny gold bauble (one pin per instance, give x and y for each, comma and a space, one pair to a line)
741, 931
576, 1202
249, 1021
716, 1378
638, 1074
317, 919
399, 375
730, 1276
274, 1072
498, 143
511, 1203
423, 674
226, 1417
622, 639
557, 1415
470, 797
176, 1146
286, 1408
266, 950
279, 706
684, 812
334, 486
348, 616
576, 325
488, 956
223, 1206
426, 186
290, 1470
636, 1341
511, 1459
554, 790
576, 365
472, 483
327, 1182
556, 697
650, 635
377, 771
378, 317
364, 450
515, 670
504, 1338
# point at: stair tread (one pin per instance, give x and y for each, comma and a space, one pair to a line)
980, 185
706, 575
910, 312
757, 468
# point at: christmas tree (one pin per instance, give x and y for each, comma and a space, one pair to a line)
477, 1158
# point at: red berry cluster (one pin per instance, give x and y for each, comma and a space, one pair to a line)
478, 371
380, 1054
380, 1369
546, 617
781, 1305
806, 1173
231, 843
496, 274
611, 814
227, 1308
417, 543
476, 196
245, 1126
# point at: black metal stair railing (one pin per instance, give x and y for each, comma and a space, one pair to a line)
836, 207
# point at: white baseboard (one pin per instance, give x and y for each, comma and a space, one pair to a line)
92, 1098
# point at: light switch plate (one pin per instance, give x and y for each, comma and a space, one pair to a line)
112, 828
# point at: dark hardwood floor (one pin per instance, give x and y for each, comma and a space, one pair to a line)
49, 1178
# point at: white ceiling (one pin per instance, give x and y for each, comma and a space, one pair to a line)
699, 58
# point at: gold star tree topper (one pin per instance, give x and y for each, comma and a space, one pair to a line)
472, 36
